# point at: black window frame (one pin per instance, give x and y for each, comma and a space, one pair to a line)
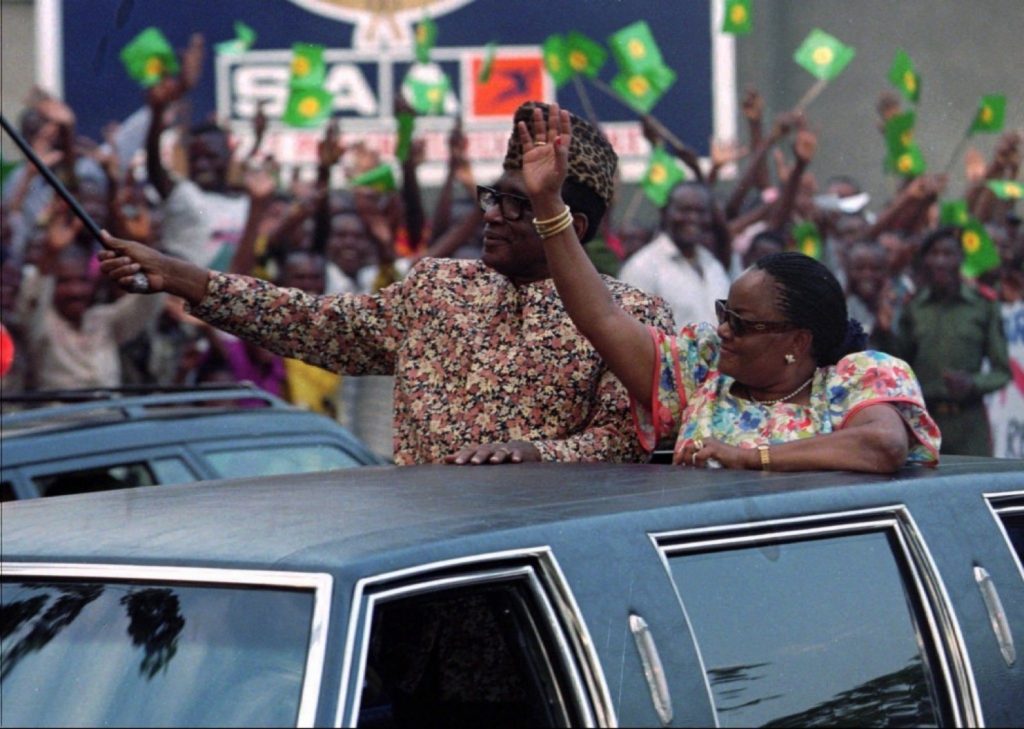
560, 628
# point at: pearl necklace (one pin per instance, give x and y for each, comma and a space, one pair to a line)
784, 397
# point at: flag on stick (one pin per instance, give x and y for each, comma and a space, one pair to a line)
426, 88
737, 18
990, 115
584, 55
406, 124
953, 212
426, 38
634, 48
243, 40
823, 56
1006, 189
641, 91
308, 107
381, 178
807, 238
556, 59
308, 68
903, 76
980, 253
148, 57
487, 66
663, 174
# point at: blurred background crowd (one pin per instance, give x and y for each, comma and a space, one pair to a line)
934, 270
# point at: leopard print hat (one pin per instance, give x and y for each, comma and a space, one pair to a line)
592, 160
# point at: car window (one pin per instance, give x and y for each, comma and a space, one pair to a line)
119, 654
102, 478
171, 471
278, 460
472, 656
6, 491
1013, 521
807, 632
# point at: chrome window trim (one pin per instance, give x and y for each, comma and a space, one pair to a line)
586, 673
958, 684
320, 583
992, 502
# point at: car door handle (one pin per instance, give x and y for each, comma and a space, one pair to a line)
996, 614
653, 670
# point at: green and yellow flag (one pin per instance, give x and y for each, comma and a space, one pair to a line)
487, 65
737, 18
641, 91
1006, 189
243, 40
584, 55
909, 163
556, 59
903, 76
807, 239
991, 114
634, 49
426, 93
308, 107
308, 68
148, 57
823, 56
381, 178
425, 38
663, 173
953, 212
406, 125
899, 132
980, 253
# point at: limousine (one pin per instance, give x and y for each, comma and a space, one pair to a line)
522, 595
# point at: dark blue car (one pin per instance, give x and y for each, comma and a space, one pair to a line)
527, 595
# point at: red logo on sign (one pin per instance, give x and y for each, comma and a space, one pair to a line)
514, 80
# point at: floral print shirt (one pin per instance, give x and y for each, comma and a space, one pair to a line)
692, 400
476, 359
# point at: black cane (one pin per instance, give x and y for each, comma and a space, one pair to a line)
140, 284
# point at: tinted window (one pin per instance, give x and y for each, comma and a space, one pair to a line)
1014, 523
104, 478
118, 654
273, 461
465, 657
809, 632
6, 491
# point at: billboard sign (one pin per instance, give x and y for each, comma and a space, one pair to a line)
369, 50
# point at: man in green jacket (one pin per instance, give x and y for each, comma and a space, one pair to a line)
945, 333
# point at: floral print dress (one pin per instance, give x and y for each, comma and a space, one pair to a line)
692, 400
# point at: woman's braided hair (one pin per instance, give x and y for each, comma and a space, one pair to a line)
811, 297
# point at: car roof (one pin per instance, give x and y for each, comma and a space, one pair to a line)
329, 519
53, 411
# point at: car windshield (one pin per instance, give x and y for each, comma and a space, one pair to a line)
130, 654
279, 460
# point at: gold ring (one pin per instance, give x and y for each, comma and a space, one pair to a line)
693, 460
539, 144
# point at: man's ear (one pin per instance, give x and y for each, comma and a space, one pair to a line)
579, 224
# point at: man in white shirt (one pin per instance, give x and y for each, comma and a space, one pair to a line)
678, 264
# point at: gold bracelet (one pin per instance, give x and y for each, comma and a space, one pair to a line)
551, 232
766, 459
549, 221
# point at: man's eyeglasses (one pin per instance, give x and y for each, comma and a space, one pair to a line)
741, 326
512, 206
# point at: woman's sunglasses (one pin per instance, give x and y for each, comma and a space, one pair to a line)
741, 326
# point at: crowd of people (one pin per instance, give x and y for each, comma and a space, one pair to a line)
482, 331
